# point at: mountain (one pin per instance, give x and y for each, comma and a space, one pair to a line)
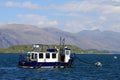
29, 34
104, 40
13, 34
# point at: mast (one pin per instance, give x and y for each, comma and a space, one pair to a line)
62, 45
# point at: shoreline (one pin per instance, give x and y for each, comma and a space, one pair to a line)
21, 49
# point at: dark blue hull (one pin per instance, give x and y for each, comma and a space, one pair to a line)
34, 64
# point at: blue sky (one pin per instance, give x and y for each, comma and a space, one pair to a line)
67, 15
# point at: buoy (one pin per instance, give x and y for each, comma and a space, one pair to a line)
115, 57
98, 64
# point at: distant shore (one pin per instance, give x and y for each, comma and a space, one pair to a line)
25, 48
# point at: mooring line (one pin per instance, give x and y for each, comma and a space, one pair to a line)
97, 64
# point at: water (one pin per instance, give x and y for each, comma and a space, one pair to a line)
81, 71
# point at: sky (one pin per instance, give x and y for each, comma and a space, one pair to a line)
68, 15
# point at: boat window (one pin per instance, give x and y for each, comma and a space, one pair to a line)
53, 55
47, 55
32, 56
67, 52
35, 56
40, 55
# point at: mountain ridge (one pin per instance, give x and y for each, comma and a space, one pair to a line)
13, 34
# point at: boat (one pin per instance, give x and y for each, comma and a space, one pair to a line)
58, 57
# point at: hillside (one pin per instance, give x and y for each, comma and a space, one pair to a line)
26, 48
22, 34
17, 34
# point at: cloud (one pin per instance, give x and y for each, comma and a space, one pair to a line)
48, 23
74, 15
27, 5
84, 6
96, 14
32, 17
41, 21
116, 0
110, 9
73, 26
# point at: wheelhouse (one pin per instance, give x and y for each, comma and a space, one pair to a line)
42, 56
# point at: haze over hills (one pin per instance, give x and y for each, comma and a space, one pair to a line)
105, 40
13, 34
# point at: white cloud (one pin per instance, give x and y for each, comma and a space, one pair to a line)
110, 9
73, 27
108, 15
32, 16
48, 23
84, 6
87, 6
76, 15
41, 21
116, 0
53, 23
28, 5
103, 18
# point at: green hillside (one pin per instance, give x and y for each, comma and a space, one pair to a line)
26, 48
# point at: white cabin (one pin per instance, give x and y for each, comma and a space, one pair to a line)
51, 55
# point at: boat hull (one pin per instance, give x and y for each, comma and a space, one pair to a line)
34, 64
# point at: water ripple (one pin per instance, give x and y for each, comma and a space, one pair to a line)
80, 71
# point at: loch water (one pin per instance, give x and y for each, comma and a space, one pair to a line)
83, 69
